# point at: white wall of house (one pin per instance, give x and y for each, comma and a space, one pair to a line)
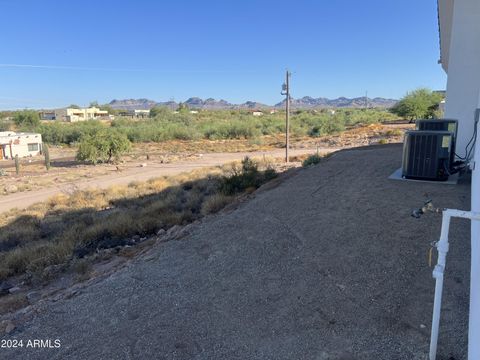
21, 144
463, 85
74, 115
460, 42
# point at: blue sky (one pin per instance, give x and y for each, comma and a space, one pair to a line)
54, 53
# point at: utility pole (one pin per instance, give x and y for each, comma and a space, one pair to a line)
286, 92
366, 99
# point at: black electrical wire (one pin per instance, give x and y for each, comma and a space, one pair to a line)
445, 168
474, 141
468, 144
473, 138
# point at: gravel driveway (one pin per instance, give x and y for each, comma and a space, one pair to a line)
327, 265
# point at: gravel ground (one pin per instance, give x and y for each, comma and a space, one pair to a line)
327, 265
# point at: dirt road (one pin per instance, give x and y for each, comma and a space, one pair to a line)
127, 175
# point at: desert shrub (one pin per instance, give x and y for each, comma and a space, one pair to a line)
394, 132
102, 146
27, 119
214, 125
67, 133
159, 112
421, 103
215, 203
312, 160
230, 130
245, 176
5, 125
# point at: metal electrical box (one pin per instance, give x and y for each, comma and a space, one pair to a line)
440, 125
427, 155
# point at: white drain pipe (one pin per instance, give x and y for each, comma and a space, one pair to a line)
442, 248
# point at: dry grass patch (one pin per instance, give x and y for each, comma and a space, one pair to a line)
70, 227
394, 133
12, 302
215, 203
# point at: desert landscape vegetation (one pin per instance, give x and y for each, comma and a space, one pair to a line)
94, 218
43, 235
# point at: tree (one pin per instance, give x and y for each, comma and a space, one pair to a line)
107, 107
27, 118
103, 146
158, 111
182, 107
419, 104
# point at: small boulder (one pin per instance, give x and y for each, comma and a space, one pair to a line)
9, 326
14, 290
173, 230
5, 288
11, 189
33, 296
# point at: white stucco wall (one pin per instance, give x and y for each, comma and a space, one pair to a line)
463, 85
460, 41
12, 144
463, 98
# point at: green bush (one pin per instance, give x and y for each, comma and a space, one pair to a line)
65, 133
102, 146
312, 160
214, 125
244, 177
419, 104
27, 119
5, 125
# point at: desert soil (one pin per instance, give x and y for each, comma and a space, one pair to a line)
328, 264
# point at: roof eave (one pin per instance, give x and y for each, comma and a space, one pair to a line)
445, 17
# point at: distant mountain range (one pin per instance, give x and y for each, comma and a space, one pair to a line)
305, 102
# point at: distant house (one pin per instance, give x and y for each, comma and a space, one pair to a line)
135, 113
193, 112
257, 113
47, 115
74, 115
21, 144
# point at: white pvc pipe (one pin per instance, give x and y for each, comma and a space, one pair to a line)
442, 247
438, 272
